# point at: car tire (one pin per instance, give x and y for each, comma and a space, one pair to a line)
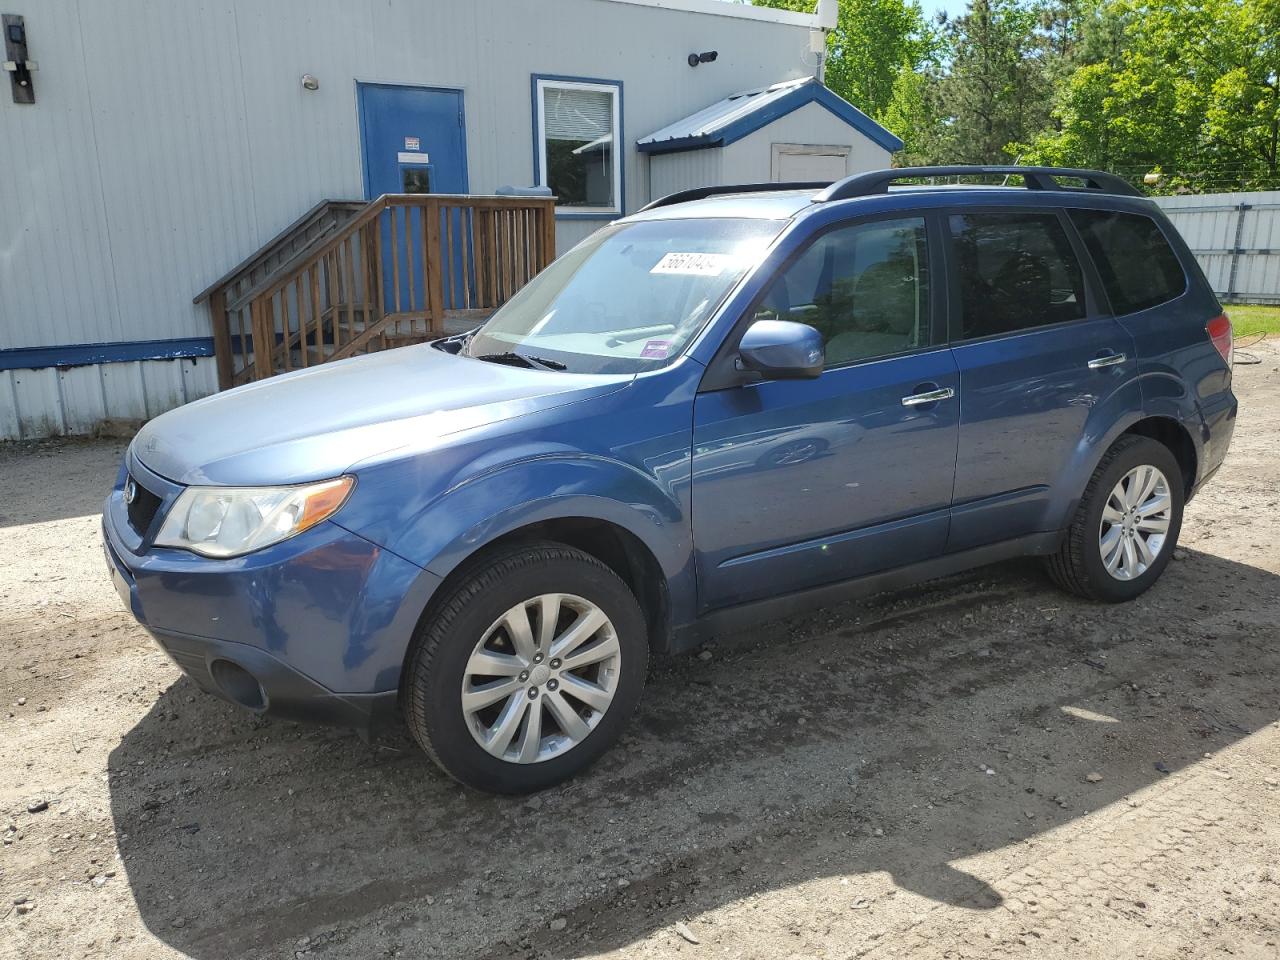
1083, 562
478, 626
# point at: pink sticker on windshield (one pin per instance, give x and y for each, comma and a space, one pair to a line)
656, 350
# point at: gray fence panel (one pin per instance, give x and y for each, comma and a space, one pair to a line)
1236, 239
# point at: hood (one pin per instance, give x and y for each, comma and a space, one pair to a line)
316, 423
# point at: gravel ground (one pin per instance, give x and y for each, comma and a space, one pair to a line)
979, 767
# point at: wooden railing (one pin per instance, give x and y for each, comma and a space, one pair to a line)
404, 269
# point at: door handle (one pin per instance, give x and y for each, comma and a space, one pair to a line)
1108, 360
929, 396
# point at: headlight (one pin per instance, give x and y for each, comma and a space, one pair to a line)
230, 521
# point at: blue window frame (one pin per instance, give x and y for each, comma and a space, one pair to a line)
577, 144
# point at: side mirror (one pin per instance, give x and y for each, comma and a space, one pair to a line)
781, 350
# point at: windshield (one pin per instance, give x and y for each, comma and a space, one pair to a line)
626, 299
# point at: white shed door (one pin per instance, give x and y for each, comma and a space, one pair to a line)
798, 162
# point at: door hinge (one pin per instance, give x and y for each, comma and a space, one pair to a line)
460, 121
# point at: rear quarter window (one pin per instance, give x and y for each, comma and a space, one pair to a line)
1139, 269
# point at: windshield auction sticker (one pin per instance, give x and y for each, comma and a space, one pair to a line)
656, 350
694, 264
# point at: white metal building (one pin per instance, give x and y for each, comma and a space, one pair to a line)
171, 139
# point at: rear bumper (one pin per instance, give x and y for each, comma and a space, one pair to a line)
1217, 428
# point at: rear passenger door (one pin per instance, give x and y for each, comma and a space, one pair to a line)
1036, 355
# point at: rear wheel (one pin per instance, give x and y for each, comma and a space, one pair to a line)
1126, 526
528, 670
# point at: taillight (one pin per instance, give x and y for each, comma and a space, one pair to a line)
1219, 330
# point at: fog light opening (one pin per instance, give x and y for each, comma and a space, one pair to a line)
238, 684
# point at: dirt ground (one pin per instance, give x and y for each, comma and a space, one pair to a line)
980, 767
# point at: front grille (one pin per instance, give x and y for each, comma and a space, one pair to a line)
143, 508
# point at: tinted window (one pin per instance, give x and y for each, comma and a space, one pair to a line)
1137, 266
864, 288
1016, 270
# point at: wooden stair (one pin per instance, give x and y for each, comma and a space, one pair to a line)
350, 278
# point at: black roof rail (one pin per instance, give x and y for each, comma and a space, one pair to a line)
701, 193
1034, 178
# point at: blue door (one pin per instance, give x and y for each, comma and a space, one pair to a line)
1036, 358
414, 140
798, 483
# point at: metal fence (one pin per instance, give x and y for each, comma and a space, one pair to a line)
1236, 239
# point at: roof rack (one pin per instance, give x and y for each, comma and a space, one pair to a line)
1034, 178
701, 193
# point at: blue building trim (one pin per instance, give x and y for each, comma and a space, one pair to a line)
617, 147
86, 354
788, 103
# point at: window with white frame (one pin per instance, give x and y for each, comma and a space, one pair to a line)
578, 129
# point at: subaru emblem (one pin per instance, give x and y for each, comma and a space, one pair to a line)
130, 491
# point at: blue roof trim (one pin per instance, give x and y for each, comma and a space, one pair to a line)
793, 100
87, 354
678, 144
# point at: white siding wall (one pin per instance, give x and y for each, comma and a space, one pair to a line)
171, 139
672, 172
749, 160
75, 400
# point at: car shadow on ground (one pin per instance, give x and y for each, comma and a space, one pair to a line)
901, 735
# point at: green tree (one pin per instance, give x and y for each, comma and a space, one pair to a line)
914, 115
873, 42
995, 95
1190, 88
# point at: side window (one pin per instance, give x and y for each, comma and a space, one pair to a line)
1017, 271
865, 288
1137, 265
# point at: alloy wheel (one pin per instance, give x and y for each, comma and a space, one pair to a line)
1135, 522
541, 678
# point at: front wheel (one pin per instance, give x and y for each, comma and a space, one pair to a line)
1126, 526
528, 670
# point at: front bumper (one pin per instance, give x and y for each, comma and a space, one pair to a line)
315, 628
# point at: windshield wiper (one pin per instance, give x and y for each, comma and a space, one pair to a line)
523, 360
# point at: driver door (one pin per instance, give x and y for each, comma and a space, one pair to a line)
799, 483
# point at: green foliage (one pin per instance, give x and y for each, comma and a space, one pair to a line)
1187, 90
995, 93
914, 115
873, 43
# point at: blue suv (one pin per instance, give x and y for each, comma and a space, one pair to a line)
738, 403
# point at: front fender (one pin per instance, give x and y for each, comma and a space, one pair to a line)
462, 521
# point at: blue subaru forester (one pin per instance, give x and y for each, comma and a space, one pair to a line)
738, 403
